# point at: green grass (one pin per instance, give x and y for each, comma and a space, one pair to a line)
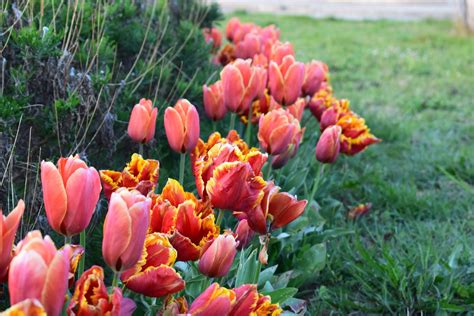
414, 84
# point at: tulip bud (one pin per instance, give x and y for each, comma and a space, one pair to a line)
214, 101
277, 130
327, 149
182, 126
141, 127
278, 51
36, 267
218, 257
9, 225
70, 194
285, 80
244, 234
249, 46
315, 74
125, 228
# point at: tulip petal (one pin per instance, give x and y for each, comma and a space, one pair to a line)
276, 83
138, 124
192, 129
156, 282
293, 81
55, 286
280, 138
174, 129
151, 125
233, 87
54, 195
8, 231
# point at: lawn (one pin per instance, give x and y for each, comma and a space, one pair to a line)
413, 82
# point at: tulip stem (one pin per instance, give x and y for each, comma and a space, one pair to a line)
82, 240
248, 130
316, 182
140, 149
232, 121
214, 126
115, 279
182, 165
67, 240
268, 172
220, 217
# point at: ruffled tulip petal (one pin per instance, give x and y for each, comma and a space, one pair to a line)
156, 282
285, 208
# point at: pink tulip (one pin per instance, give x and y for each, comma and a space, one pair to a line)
70, 194
278, 50
315, 74
213, 36
218, 256
232, 26
297, 108
277, 131
249, 46
8, 227
214, 101
328, 146
182, 126
39, 271
242, 83
244, 234
125, 228
141, 127
285, 80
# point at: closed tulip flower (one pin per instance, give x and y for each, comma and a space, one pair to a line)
278, 50
125, 228
70, 194
182, 126
328, 146
39, 271
8, 227
276, 131
218, 256
142, 124
215, 300
284, 208
90, 297
153, 275
315, 74
244, 234
285, 80
249, 46
242, 83
214, 101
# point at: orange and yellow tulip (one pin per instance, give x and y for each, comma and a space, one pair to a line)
242, 83
359, 210
277, 131
214, 101
28, 307
70, 194
39, 271
153, 274
139, 174
142, 124
125, 228
8, 227
182, 126
189, 222
250, 302
218, 255
90, 297
316, 73
285, 80
321, 100
329, 144
356, 136
215, 300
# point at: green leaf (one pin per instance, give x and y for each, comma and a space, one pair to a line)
281, 295
266, 275
247, 271
312, 260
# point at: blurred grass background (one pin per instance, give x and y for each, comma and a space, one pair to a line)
413, 82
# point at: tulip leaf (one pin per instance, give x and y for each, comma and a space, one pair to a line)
266, 275
313, 259
281, 295
247, 271
197, 285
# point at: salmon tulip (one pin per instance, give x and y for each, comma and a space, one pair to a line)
244, 234
213, 36
142, 124
232, 26
139, 174
329, 144
217, 257
278, 51
8, 227
125, 229
315, 74
215, 300
249, 46
90, 297
70, 194
189, 222
214, 101
182, 126
277, 130
39, 271
285, 80
242, 83
28, 307
153, 274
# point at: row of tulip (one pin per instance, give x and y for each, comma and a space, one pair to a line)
145, 234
